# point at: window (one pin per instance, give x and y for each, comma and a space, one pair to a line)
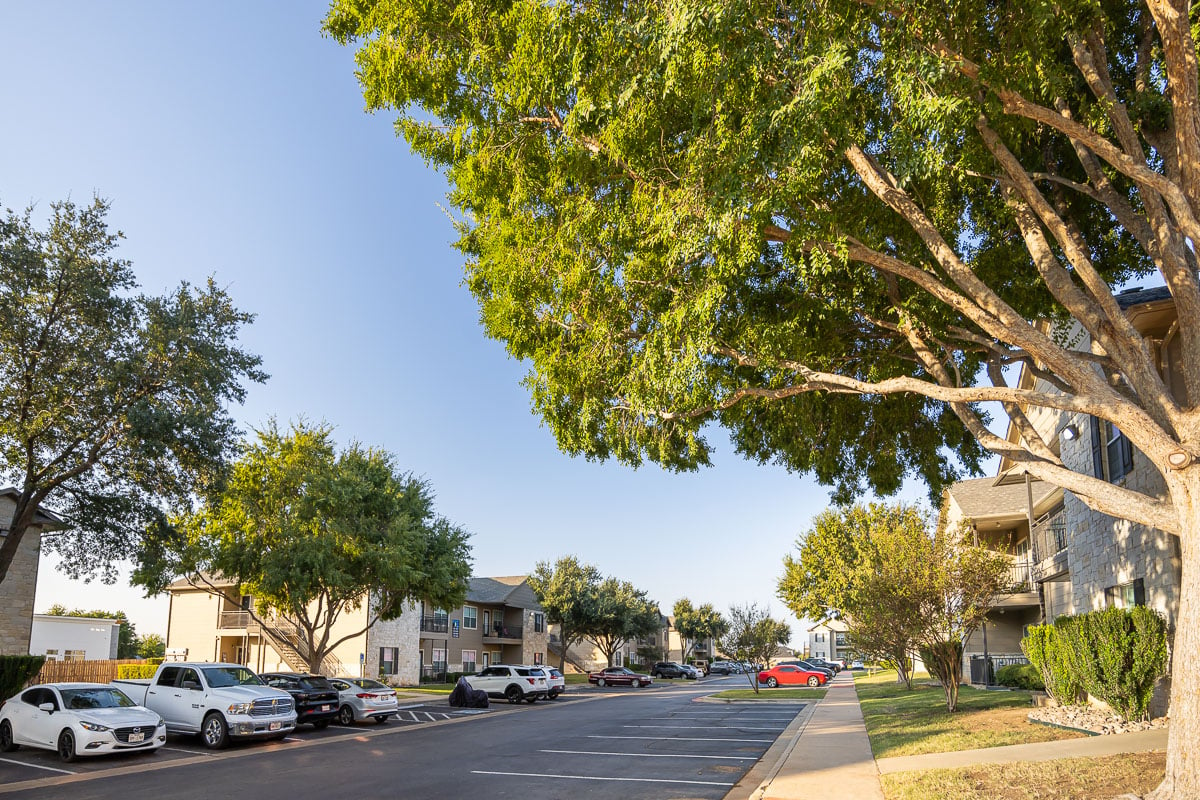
470, 617
387, 660
840, 639
1126, 595
1112, 452
539, 658
74, 655
539, 623
439, 659
52, 655
617, 659
820, 637
468, 661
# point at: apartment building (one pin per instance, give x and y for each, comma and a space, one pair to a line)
19, 585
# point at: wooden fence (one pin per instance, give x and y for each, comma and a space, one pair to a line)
82, 671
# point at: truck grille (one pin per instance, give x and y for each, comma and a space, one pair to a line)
269, 708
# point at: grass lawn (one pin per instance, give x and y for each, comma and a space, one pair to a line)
770, 694
905, 723
575, 678
427, 688
1065, 779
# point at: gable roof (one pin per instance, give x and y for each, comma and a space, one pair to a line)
979, 498
509, 590
46, 520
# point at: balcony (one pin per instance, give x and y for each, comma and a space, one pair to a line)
233, 619
1049, 535
502, 632
435, 624
1019, 590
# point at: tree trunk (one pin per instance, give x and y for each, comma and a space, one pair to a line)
1182, 778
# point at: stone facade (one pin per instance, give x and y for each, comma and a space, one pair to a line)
404, 634
19, 586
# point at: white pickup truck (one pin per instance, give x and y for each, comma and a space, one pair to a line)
216, 701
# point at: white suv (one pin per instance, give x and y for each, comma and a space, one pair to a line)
513, 683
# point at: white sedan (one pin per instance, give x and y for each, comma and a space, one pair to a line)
363, 698
79, 719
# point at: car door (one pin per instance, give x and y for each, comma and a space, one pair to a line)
165, 698
20, 716
44, 725
789, 674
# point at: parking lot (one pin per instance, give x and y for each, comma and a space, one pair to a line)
655, 743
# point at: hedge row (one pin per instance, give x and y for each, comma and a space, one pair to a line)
146, 670
1116, 655
16, 672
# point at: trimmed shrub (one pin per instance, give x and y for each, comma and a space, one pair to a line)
136, 671
154, 662
1020, 676
16, 672
1043, 646
1119, 653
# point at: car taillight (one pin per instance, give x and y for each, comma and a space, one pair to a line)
365, 696
532, 681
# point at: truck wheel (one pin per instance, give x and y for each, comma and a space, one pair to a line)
6, 738
214, 731
66, 746
513, 694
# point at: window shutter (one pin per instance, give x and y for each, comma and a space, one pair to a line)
1126, 455
1139, 592
1097, 450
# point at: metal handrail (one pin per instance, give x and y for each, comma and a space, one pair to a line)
1020, 577
435, 624
1049, 534
502, 631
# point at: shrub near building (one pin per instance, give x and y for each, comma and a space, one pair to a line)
1115, 655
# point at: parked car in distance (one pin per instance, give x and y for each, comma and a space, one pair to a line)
619, 676
696, 672
857, 665
317, 702
362, 699
723, 668
217, 701
512, 682
672, 669
791, 675
79, 719
556, 682
836, 666
807, 665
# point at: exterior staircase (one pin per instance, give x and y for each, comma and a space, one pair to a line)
286, 638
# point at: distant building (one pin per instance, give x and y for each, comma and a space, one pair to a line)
63, 638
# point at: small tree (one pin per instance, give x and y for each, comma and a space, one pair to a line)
152, 646
311, 533
1044, 647
567, 592
623, 612
754, 637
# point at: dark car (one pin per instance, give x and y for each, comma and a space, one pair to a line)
317, 701
807, 665
669, 669
722, 668
821, 662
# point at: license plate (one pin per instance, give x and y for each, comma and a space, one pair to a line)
134, 738
274, 726
324, 708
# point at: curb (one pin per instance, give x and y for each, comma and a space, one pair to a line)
758, 778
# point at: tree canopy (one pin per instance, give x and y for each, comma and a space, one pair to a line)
831, 227
312, 534
568, 592
622, 613
753, 637
113, 404
697, 625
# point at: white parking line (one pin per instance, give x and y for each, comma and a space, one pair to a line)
37, 766
704, 727
682, 738
596, 778
646, 755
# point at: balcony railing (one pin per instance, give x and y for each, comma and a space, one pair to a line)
233, 619
435, 624
1049, 535
981, 674
1020, 577
502, 631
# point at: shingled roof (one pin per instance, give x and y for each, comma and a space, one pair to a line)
510, 590
988, 497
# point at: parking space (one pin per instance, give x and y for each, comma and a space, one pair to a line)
673, 747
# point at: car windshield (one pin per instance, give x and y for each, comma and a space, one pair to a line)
219, 677
103, 697
315, 682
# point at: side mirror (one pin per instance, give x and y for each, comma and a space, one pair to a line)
46, 707
193, 685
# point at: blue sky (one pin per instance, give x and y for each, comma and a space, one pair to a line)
232, 142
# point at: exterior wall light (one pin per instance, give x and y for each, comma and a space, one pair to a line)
1070, 432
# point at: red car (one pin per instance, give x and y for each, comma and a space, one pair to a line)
619, 676
791, 675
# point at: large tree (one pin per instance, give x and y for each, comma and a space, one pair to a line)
312, 534
697, 624
568, 592
622, 613
112, 403
753, 637
831, 227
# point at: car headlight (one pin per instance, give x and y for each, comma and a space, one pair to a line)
93, 726
160, 722
240, 708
